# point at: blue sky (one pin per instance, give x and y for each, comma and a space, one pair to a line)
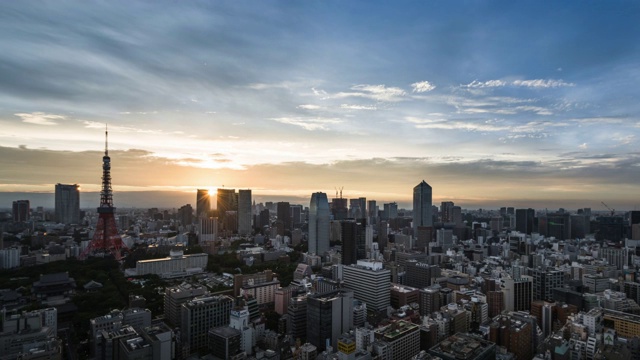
491, 102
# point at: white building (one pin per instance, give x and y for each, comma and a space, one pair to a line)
176, 264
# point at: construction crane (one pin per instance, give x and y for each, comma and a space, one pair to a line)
613, 211
339, 191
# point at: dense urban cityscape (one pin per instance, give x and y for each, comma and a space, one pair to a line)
346, 279
319, 180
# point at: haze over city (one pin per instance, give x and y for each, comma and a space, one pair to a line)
493, 103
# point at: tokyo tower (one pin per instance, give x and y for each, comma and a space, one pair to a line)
106, 239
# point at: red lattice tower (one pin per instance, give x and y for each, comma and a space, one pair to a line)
106, 239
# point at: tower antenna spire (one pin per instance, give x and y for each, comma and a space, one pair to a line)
106, 139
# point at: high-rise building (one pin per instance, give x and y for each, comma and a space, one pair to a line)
225, 342
296, 216
517, 292
207, 229
403, 337
244, 212
21, 210
544, 281
524, 220
297, 312
203, 203
369, 282
390, 211
283, 216
201, 314
422, 206
446, 208
318, 224
329, 315
372, 211
226, 201
353, 242
67, 209
363, 208
419, 274
185, 215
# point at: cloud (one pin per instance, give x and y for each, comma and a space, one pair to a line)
541, 83
309, 124
455, 125
40, 118
374, 92
583, 146
624, 140
534, 83
422, 86
358, 107
485, 84
308, 107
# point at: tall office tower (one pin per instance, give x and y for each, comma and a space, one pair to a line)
419, 274
297, 311
372, 211
226, 201
318, 224
67, 204
265, 218
354, 244
185, 215
456, 215
429, 300
544, 281
20, 210
363, 207
105, 238
370, 283
201, 314
390, 211
208, 229
422, 206
244, 212
203, 203
354, 209
174, 297
297, 216
284, 215
339, 208
383, 235
446, 208
524, 220
518, 292
329, 315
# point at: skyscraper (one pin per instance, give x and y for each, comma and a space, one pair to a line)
67, 204
244, 212
353, 242
318, 223
422, 206
524, 220
203, 203
226, 201
284, 216
329, 315
21, 210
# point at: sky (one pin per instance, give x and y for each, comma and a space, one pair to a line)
493, 103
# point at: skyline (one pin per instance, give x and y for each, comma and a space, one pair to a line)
492, 103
